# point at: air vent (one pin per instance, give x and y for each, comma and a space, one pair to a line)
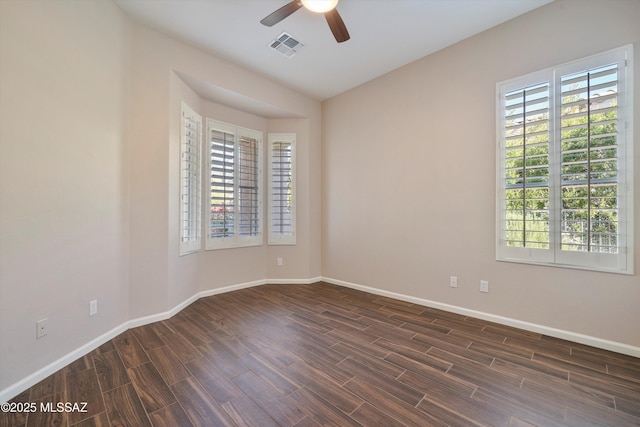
286, 45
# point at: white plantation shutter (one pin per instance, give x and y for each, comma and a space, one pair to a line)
235, 186
565, 165
526, 134
595, 161
282, 195
222, 194
248, 189
190, 181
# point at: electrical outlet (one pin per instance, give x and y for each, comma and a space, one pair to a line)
280, 262
453, 281
93, 307
484, 286
41, 328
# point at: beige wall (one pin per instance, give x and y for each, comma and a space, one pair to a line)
64, 112
89, 139
409, 177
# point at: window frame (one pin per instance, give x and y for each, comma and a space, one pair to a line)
275, 237
237, 240
621, 262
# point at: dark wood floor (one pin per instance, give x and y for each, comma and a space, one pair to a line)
311, 355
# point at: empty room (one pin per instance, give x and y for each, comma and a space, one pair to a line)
309, 213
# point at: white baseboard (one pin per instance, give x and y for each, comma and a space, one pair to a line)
44, 372
39, 375
294, 281
533, 327
141, 321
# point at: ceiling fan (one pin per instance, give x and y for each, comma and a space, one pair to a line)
327, 7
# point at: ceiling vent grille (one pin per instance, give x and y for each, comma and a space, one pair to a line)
286, 45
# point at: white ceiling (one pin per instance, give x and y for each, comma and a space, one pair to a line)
385, 34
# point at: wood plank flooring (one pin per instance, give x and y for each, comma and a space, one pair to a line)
316, 355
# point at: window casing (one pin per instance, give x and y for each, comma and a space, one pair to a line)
565, 163
235, 191
190, 181
282, 189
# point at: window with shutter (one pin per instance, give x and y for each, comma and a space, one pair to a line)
282, 195
565, 165
235, 186
190, 181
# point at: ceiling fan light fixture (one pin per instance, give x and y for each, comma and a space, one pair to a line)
320, 6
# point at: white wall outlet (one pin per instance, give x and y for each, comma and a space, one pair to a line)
41, 328
93, 307
280, 261
453, 281
484, 286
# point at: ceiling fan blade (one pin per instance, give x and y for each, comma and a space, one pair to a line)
281, 13
337, 26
